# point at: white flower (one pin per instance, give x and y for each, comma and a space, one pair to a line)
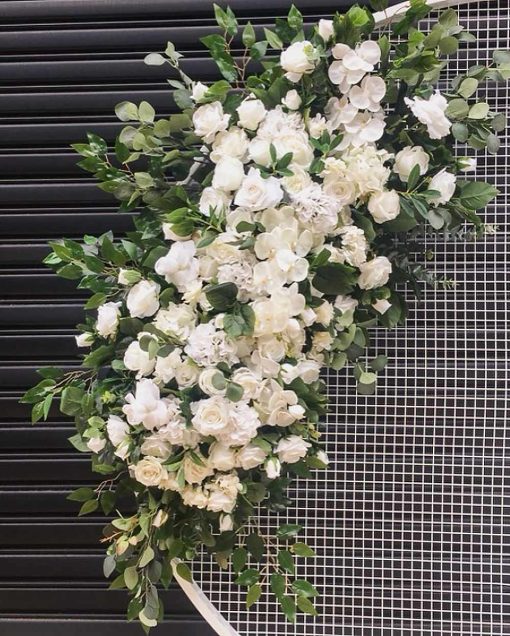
211, 416
107, 322
273, 314
160, 518
345, 303
374, 273
354, 245
176, 320
145, 406
324, 313
179, 266
257, 193
198, 92
307, 370
250, 456
136, 359
117, 429
431, 112
208, 346
251, 112
228, 174
291, 449
467, 164
322, 457
325, 29
211, 377
317, 125
381, 305
249, 380
226, 523
384, 206
292, 100
194, 497
84, 339
407, 158
229, 143
143, 299
273, 468
165, 367
244, 422
351, 65
186, 374
156, 446
213, 200
96, 444
369, 94
223, 491
221, 457
194, 473
298, 60
445, 183
149, 472
210, 119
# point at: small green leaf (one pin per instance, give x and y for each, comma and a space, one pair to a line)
288, 530
288, 608
127, 111
253, 595
248, 37
146, 557
248, 577
273, 39
81, 494
154, 59
184, 572
479, 111
468, 87
239, 558
109, 565
89, 506
306, 606
256, 546
278, 584
302, 550
304, 588
286, 561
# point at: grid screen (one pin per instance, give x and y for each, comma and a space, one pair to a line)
409, 522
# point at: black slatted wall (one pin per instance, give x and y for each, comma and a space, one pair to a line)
64, 65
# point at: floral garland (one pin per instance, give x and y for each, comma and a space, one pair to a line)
277, 214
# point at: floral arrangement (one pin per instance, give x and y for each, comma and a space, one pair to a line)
278, 215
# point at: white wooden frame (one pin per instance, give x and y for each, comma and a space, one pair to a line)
209, 612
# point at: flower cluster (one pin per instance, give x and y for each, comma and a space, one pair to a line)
268, 245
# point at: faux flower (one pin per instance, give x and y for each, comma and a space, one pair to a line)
431, 112
210, 119
384, 206
297, 60
445, 183
107, 321
407, 158
251, 112
257, 193
143, 299
374, 273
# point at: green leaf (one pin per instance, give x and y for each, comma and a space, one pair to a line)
457, 109
127, 111
117, 583
479, 111
288, 530
109, 565
146, 113
460, 132
286, 561
256, 546
248, 578
378, 363
234, 392
248, 36
81, 494
240, 322
295, 18
184, 572
278, 585
448, 45
335, 278
302, 550
273, 39
288, 608
253, 595
89, 506
499, 122
222, 296
70, 400
146, 557
239, 558
306, 606
414, 177
468, 87
304, 588
477, 194
131, 577
154, 59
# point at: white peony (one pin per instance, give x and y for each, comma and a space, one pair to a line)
298, 60
136, 359
374, 273
143, 299
177, 320
221, 457
228, 174
407, 158
251, 112
291, 449
384, 206
354, 245
229, 143
431, 112
179, 266
145, 406
149, 472
445, 183
107, 322
208, 120
292, 100
208, 346
165, 367
257, 193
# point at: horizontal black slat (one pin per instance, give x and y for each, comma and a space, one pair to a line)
31, 625
54, 314
68, 222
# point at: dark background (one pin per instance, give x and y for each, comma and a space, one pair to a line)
414, 539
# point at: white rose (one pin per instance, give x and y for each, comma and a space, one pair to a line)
136, 359
156, 446
145, 406
226, 523
445, 183
251, 112
273, 468
210, 119
250, 456
384, 206
221, 457
249, 381
291, 449
117, 430
297, 60
228, 174
467, 164
431, 112
198, 92
230, 143
211, 377
165, 368
195, 473
409, 157
326, 29
374, 273
107, 319
84, 339
223, 493
186, 374
210, 416
179, 266
143, 299
194, 497
149, 472
213, 200
257, 193
96, 444
381, 305
292, 100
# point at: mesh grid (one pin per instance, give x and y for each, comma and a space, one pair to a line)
409, 522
